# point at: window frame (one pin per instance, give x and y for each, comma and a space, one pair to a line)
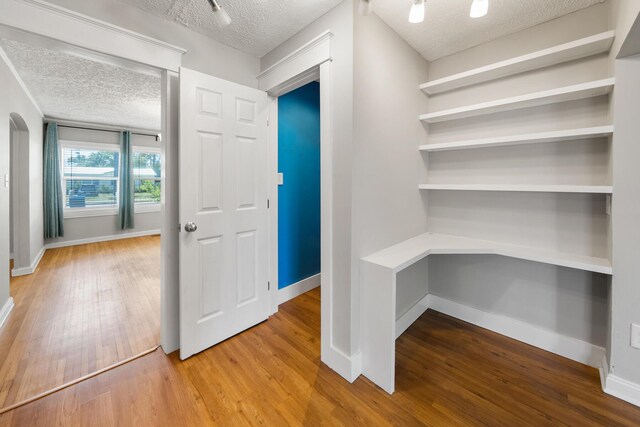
69, 212
147, 207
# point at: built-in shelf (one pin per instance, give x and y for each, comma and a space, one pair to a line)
576, 49
590, 189
403, 254
529, 138
553, 96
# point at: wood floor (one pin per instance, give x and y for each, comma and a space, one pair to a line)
449, 373
85, 308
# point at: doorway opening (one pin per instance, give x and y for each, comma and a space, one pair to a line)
18, 193
93, 300
299, 218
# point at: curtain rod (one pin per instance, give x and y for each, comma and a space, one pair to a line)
107, 130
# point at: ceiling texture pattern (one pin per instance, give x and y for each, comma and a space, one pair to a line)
447, 27
257, 26
68, 86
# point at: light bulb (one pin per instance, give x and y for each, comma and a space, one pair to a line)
479, 8
417, 12
220, 15
365, 7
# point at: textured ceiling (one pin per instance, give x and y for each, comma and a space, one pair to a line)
257, 26
448, 29
68, 86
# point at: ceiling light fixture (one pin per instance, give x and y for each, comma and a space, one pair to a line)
365, 7
220, 15
416, 15
479, 8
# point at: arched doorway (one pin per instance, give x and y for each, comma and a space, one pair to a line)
19, 191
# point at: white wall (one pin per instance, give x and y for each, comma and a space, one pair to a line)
14, 100
568, 302
103, 226
387, 206
340, 21
203, 53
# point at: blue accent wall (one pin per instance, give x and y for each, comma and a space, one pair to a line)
299, 197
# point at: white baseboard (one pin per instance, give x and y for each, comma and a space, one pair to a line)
347, 367
6, 309
571, 348
298, 288
34, 264
407, 319
618, 387
67, 243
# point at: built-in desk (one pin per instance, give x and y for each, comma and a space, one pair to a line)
378, 272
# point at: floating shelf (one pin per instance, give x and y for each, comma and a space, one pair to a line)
553, 96
577, 49
403, 254
530, 138
589, 189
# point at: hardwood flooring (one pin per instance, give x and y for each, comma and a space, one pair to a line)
85, 308
449, 373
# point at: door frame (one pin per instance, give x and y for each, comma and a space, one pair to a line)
310, 62
25, 18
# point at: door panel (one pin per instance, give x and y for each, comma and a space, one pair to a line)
223, 190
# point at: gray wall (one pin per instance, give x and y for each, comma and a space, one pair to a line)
387, 206
340, 21
624, 361
101, 226
14, 100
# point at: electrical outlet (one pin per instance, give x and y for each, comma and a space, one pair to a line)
635, 336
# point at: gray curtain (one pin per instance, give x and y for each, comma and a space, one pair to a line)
126, 213
53, 200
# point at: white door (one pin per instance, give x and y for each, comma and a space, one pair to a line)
223, 201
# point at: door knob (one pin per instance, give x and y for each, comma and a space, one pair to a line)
190, 227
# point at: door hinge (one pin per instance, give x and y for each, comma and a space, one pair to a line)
268, 122
268, 286
268, 204
179, 227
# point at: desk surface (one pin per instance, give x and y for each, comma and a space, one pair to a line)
402, 255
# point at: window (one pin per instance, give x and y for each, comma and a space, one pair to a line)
147, 181
90, 179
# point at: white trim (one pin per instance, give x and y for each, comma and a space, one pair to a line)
86, 212
404, 321
32, 267
21, 83
618, 387
143, 208
347, 367
6, 309
328, 353
169, 243
49, 20
307, 47
313, 55
571, 348
272, 144
64, 244
298, 63
298, 288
